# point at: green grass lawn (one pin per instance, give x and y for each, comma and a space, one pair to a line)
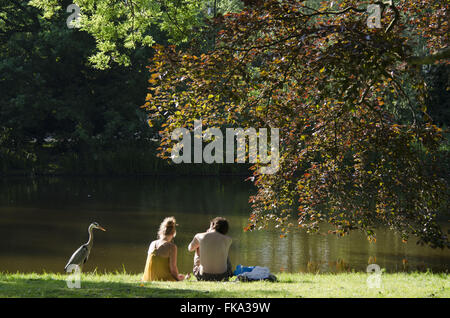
289, 285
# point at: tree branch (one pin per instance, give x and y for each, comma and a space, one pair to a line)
429, 59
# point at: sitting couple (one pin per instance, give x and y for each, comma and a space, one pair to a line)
211, 261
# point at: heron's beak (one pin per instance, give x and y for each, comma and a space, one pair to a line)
100, 228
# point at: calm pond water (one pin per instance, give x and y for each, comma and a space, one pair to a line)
44, 220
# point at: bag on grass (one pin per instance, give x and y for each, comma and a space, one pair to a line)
257, 273
242, 269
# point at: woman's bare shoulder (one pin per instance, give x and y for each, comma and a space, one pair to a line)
166, 244
171, 245
152, 247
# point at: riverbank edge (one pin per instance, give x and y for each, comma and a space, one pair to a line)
289, 285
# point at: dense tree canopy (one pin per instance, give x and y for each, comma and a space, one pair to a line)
122, 26
48, 92
358, 148
58, 114
362, 111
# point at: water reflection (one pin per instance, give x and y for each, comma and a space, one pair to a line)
43, 221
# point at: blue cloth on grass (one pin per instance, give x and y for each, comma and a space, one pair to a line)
242, 269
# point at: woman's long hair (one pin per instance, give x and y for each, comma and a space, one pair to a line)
167, 227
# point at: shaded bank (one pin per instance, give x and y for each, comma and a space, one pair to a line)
128, 159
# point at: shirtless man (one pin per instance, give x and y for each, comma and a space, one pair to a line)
211, 260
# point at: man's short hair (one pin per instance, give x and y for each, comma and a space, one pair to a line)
220, 224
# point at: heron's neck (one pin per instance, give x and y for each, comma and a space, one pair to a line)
91, 237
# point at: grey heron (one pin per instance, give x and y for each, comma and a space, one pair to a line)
81, 255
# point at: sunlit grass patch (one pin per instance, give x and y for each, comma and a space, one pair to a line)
288, 285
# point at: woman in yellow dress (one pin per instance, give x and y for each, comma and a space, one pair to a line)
162, 255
